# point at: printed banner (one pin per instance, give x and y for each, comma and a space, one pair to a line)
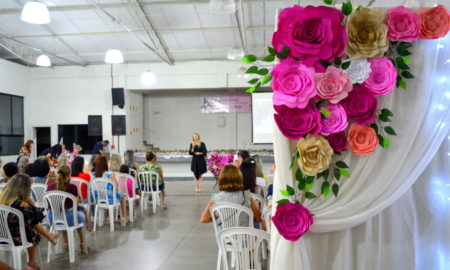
229, 103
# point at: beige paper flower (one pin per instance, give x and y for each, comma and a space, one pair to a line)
315, 154
367, 34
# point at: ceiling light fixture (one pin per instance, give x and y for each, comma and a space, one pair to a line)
222, 7
43, 61
113, 56
235, 53
148, 77
36, 13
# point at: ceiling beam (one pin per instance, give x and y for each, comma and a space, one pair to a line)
239, 14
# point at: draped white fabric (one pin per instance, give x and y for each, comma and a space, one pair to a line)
421, 118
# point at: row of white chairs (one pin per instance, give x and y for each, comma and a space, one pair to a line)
97, 191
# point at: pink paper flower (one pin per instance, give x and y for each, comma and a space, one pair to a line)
403, 24
292, 220
311, 33
338, 141
361, 106
336, 122
295, 123
292, 84
383, 77
333, 85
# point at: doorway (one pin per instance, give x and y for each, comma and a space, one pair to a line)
43, 138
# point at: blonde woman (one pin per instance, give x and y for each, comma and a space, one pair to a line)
259, 168
197, 150
17, 195
115, 162
63, 160
23, 163
129, 160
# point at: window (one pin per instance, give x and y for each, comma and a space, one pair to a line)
77, 134
11, 124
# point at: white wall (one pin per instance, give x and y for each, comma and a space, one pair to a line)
14, 80
135, 119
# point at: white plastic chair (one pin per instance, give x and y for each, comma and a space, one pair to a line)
229, 215
100, 191
2, 186
260, 200
133, 173
267, 217
145, 182
37, 192
247, 244
55, 202
122, 181
79, 183
6, 241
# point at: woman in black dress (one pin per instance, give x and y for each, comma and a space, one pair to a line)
198, 151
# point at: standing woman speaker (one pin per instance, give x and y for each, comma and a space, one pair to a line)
198, 151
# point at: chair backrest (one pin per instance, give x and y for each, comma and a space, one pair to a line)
6, 240
133, 173
248, 245
267, 217
145, 181
56, 201
79, 183
37, 194
100, 189
229, 215
259, 199
123, 183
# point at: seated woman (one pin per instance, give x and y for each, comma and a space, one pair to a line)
9, 170
126, 170
129, 161
231, 186
41, 171
151, 165
63, 160
101, 171
251, 182
23, 163
259, 169
115, 162
77, 171
17, 195
63, 184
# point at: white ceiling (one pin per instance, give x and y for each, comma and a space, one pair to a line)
82, 32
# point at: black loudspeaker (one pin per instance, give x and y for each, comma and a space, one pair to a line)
118, 97
118, 125
95, 127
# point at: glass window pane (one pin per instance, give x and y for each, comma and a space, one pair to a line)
17, 115
5, 114
10, 145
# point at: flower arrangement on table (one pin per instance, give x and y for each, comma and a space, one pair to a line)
168, 154
333, 66
217, 160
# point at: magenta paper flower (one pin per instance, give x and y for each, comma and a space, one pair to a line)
338, 141
403, 24
383, 77
336, 122
293, 84
361, 106
311, 33
333, 85
292, 220
295, 123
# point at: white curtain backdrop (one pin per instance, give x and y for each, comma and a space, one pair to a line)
391, 240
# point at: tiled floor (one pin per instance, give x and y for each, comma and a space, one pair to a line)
172, 239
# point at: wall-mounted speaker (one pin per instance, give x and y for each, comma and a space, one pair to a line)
95, 127
118, 97
118, 125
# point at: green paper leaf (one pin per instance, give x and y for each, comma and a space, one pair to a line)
302, 184
380, 140
402, 84
271, 51
325, 188
345, 173
263, 71
345, 65
326, 174
324, 63
252, 70
404, 53
408, 75
266, 80
341, 164
298, 175
253, 81
384, 118
309, 186
325, 112
389, 130
347, 8
310, 195
285, 193
269, 58
253, 88
406, 60
290, 190
321, 104
387, 112
284, 53
328, 2
404, 46
337, 173
337, 61
399, 61
249, 58
335, 189
309, 179
386, 143
375, 127
282, 202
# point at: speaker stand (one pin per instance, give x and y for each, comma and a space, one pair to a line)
118, 144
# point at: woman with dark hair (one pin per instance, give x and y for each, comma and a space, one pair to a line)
197, 149
26, 149
248, 169
40, 172
130, 162
77, 171
240, 157
52, 152
151, 165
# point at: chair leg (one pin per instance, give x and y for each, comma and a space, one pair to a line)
71, 243
219, 260
154, 202
17, 258
111, 218
49, 248
131, 208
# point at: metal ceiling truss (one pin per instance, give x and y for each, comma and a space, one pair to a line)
239, 14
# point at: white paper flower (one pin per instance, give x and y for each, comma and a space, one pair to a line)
358, 71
